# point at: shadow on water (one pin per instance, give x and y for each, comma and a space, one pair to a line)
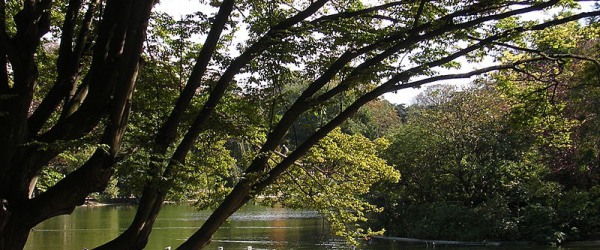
256, 226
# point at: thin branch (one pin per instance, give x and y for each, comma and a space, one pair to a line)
166, 134
84, 31
68, 31
482, 43
272, 36
545, 55
382, 17
419, 13
395, 86
350, 14
82, 45
241, 12
66, 67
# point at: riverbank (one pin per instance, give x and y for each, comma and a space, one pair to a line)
92, 202
434, 243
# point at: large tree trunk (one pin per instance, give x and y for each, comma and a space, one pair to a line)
15, 101
16, 233
112, 80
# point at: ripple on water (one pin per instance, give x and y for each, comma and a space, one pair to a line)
273, 215
276, 214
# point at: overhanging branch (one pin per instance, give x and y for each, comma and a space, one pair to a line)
274, 34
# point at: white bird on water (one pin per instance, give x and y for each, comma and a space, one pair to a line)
168, 248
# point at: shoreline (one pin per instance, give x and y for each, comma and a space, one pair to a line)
125, 202
433, 243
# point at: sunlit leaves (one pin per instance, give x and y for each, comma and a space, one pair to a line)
332, 179
207, 176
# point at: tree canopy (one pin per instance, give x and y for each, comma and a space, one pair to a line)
512, 157
98, 87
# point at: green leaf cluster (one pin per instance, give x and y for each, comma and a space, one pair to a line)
333, 179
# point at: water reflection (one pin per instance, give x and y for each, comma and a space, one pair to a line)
259, 227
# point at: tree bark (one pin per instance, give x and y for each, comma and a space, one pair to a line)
114, 72
15, 235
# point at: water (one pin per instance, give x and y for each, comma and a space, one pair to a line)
259, 227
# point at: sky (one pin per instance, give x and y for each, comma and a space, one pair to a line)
179, 8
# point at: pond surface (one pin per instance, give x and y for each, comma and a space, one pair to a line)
259, 227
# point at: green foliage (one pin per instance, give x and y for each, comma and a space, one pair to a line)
66, 162
553, 100
443, 220
332, 179
473, 171
206, 175
374, 120
111, 192
47, 179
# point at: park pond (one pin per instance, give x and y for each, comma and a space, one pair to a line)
256, 226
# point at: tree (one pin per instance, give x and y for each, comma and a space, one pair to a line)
375, 120
461, 163
555, 100
506, 160
336, 47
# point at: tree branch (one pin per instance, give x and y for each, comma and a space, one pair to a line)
482, 43
419, 13
301, 105
543, 54
389, 86
66, 67
258, 164
102, 76
93, 176
168, 130
6, 45
71, 191
476, 72
275, 34
84, 30
350, 14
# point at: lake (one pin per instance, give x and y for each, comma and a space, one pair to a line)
256, 226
